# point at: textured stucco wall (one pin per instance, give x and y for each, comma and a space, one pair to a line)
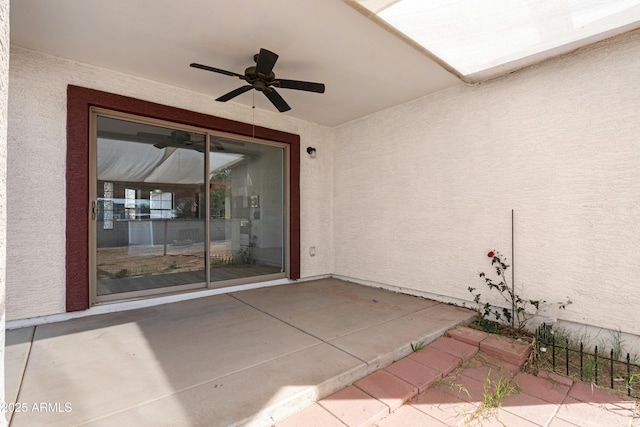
4, 93
36, 171
424, 190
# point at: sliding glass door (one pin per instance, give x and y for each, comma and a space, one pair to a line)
176, 208
247, 209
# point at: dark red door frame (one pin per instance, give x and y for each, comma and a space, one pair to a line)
79, 101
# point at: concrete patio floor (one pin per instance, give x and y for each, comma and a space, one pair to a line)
248, 358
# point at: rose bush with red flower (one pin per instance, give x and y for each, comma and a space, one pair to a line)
515, 314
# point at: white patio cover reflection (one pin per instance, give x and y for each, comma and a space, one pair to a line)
127, 161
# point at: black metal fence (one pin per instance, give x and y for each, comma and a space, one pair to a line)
606, 368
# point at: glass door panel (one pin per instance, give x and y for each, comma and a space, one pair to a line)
246, 208
150, 229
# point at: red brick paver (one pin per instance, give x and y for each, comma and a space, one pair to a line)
559, 422
530, 408
484, 366
406, 416
312, 416
454, 347
507, 349
590, 415
467, 335
444, 402
387, 388
586, 392
436, 359
499, 419
555, 378
354, 407
414, 373
541, 388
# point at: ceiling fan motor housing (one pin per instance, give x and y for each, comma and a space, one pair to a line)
259, 81
181, 136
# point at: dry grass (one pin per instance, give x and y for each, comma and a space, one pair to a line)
136, 261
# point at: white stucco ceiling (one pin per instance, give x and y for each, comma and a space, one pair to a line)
364, 67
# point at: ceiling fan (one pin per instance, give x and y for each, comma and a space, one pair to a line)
261, 78
183, 139
178, 139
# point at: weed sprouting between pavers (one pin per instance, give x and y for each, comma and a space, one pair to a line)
493, 394
417, 347
494, 391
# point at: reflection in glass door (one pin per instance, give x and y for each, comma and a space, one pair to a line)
150, 216
247, 210
178, 209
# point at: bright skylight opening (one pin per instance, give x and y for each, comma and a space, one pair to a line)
480, 39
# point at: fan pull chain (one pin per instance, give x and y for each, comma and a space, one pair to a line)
253, 115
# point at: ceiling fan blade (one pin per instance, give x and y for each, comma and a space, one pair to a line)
296, 84
217, 70
277, 100
176, 145
153, 136
234, 93
266, 62
220, 140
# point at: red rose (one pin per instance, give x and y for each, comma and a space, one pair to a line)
490, 254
